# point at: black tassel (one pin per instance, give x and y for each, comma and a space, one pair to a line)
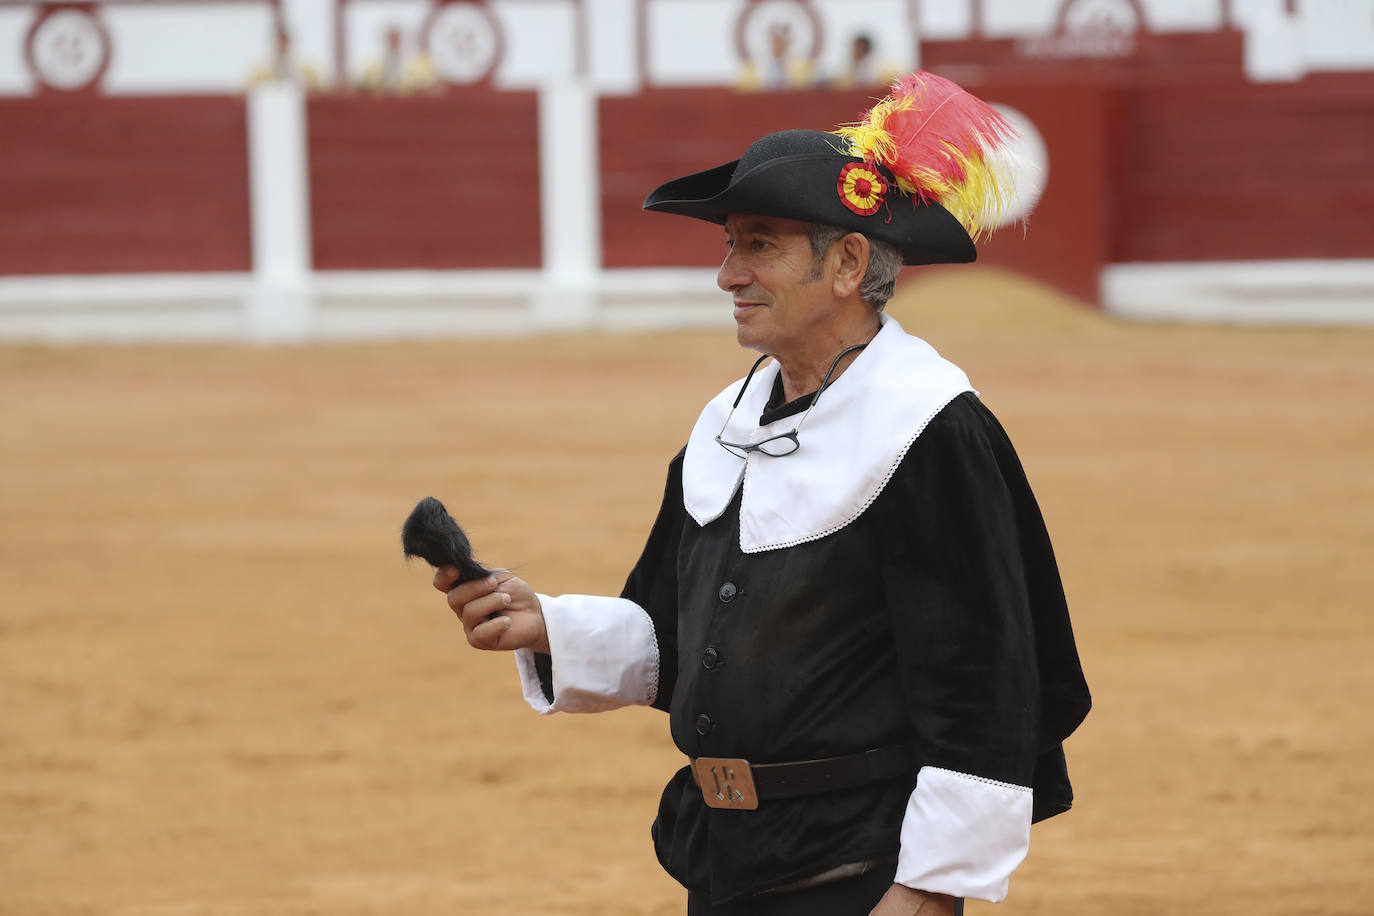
433, 535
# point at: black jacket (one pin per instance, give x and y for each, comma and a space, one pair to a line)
936, 617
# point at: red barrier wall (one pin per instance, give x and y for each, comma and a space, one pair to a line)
650, 138
441, 182
661, 134
1157, 172
116, 185
1244, 171
1068, 236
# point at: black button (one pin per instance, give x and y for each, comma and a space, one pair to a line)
703, 724
710, 658
728, 591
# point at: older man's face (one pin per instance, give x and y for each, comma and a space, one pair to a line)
781, 301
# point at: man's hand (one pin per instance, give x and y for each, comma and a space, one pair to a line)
498, 612
901, 900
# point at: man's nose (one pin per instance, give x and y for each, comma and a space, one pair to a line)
731, 275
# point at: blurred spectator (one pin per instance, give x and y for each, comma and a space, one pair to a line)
282, 68
392, 68
863, 68
782, 69
395, 72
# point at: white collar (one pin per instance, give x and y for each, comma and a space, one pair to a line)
851, 443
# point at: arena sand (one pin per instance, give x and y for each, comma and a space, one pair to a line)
224, 692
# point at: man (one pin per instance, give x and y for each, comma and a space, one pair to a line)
862, 68
848, 603
781, 69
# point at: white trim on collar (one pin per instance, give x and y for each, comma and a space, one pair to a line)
851, 443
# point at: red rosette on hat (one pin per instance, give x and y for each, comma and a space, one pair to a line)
861, 189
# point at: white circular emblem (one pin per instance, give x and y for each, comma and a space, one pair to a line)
463, 42
1029, 162
789, 23
68, 49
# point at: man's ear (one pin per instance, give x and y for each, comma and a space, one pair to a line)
851, 253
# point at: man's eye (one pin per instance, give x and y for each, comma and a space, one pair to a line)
758, 245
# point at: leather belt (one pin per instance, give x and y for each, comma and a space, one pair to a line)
732, 782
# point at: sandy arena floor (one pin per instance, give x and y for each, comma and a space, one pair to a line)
224, 692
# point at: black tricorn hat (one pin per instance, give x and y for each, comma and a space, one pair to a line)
805, 175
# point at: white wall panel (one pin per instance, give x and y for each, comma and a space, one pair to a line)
208, 47
692, 42
15, 78
1337, 34
944, 20
541, 42
1012, 18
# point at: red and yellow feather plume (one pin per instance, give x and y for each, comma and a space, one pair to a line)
943, 145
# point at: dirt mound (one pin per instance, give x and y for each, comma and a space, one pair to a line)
990, 302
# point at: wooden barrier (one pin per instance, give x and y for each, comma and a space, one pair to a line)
1153, 176
437, 182
662, 134
95, 185
1247, 172
1160, 172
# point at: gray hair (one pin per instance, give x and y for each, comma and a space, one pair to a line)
884, 261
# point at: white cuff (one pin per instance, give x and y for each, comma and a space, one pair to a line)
604, 654
963, 835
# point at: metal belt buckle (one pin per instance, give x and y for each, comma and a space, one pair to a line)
726, 782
